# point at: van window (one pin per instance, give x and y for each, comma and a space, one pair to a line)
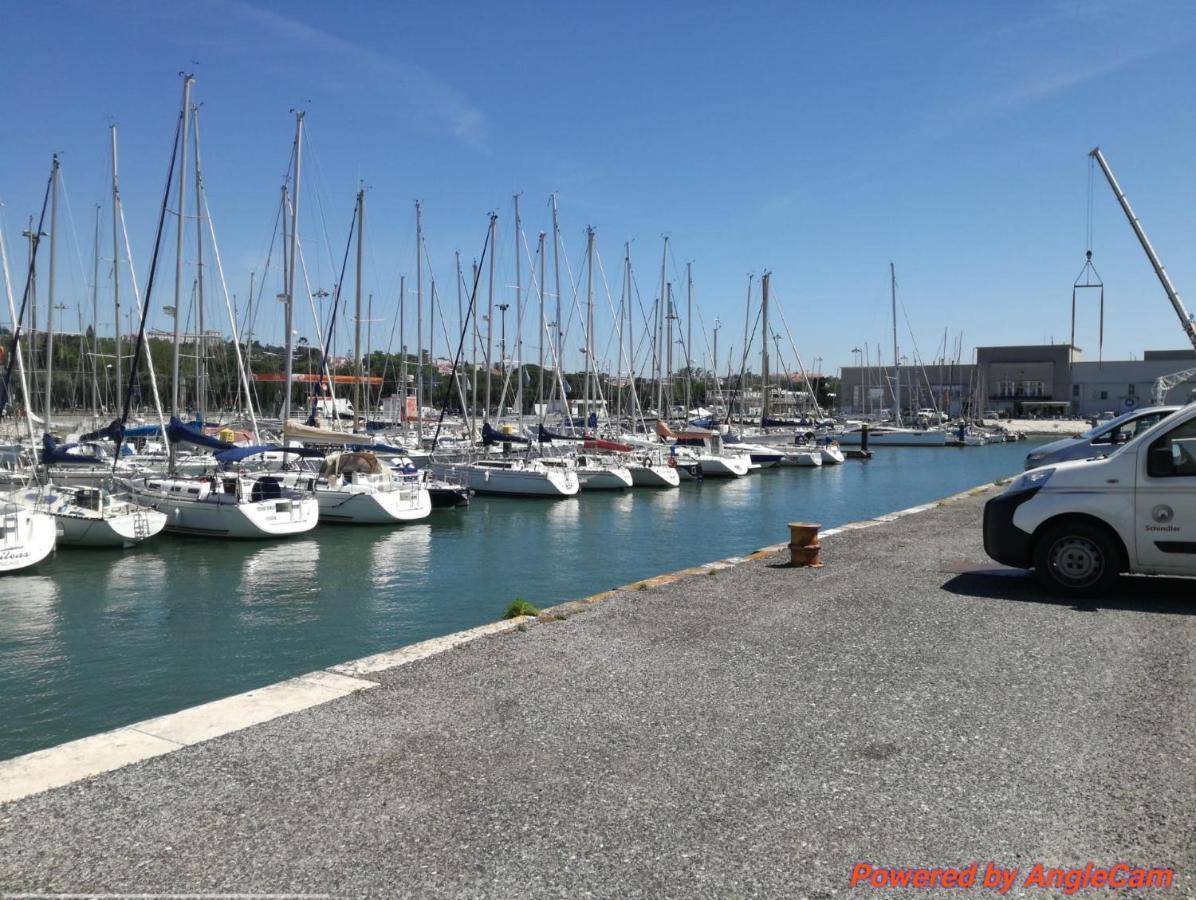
1174, 454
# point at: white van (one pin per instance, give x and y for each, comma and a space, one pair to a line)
1079, 524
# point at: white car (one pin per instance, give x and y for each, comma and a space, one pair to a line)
1100, 439
1080, 524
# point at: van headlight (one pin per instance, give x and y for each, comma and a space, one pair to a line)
1030, 481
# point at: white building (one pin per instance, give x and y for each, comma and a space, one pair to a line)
1122, 385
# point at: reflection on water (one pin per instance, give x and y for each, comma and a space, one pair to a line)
566, 511
136, 572
28, 612
285, 565
400, 552
97, 639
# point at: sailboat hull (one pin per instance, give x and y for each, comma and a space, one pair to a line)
654, 476
895, 438
28, 538
510, 482
376, 508
613, 478
125, 530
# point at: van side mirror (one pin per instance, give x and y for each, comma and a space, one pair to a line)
1121, 437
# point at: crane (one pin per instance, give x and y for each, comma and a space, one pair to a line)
1167, 382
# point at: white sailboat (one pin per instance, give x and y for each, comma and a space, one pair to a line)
356, 488
27, 537
228, 506
651, 470
510, 477
91, 516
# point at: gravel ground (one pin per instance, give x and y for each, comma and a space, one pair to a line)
752, 732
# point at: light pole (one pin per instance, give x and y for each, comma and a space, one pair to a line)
857, 390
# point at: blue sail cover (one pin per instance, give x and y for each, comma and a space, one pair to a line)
114, 431
236, 454
53, 453
492, 436
180, 432
778, 423
545, 436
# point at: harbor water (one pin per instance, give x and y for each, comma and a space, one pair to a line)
95, 639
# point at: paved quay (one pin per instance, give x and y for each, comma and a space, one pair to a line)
755, 731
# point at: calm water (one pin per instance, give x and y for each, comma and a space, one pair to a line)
98, 639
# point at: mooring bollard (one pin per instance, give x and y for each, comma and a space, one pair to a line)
803, 544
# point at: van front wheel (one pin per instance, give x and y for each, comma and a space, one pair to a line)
1076, 558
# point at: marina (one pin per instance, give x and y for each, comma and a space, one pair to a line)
94, 640
903, 675
648, 450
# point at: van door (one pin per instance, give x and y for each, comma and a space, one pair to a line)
1165, 502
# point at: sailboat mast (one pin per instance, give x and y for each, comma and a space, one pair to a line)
403, 347
518, 315
589, 320
95, 320
896, 358
54, 178
689, 334
490, 324
540, 380
357, 369
117, 365
764, 338
188, 80
659, 338
474, 329
668, 344
289, 309
201, 369
419, 321
630, 330
559, 342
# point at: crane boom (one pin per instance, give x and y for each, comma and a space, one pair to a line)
1172, 294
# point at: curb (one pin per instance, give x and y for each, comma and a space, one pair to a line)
77, 760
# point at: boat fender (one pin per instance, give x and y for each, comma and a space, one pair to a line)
486, 476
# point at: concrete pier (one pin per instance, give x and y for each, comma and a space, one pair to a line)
742, 729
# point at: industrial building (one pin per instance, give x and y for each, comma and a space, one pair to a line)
1023, 381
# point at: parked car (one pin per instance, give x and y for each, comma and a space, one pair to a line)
1079, 524
1102, 438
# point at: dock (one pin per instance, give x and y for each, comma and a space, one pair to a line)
737, 729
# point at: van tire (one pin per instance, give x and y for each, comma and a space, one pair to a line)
1077, 558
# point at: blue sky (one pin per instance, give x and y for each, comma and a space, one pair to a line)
819, 141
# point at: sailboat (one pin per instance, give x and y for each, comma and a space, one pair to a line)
219, 505
357, 488
27, 536
92, 516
